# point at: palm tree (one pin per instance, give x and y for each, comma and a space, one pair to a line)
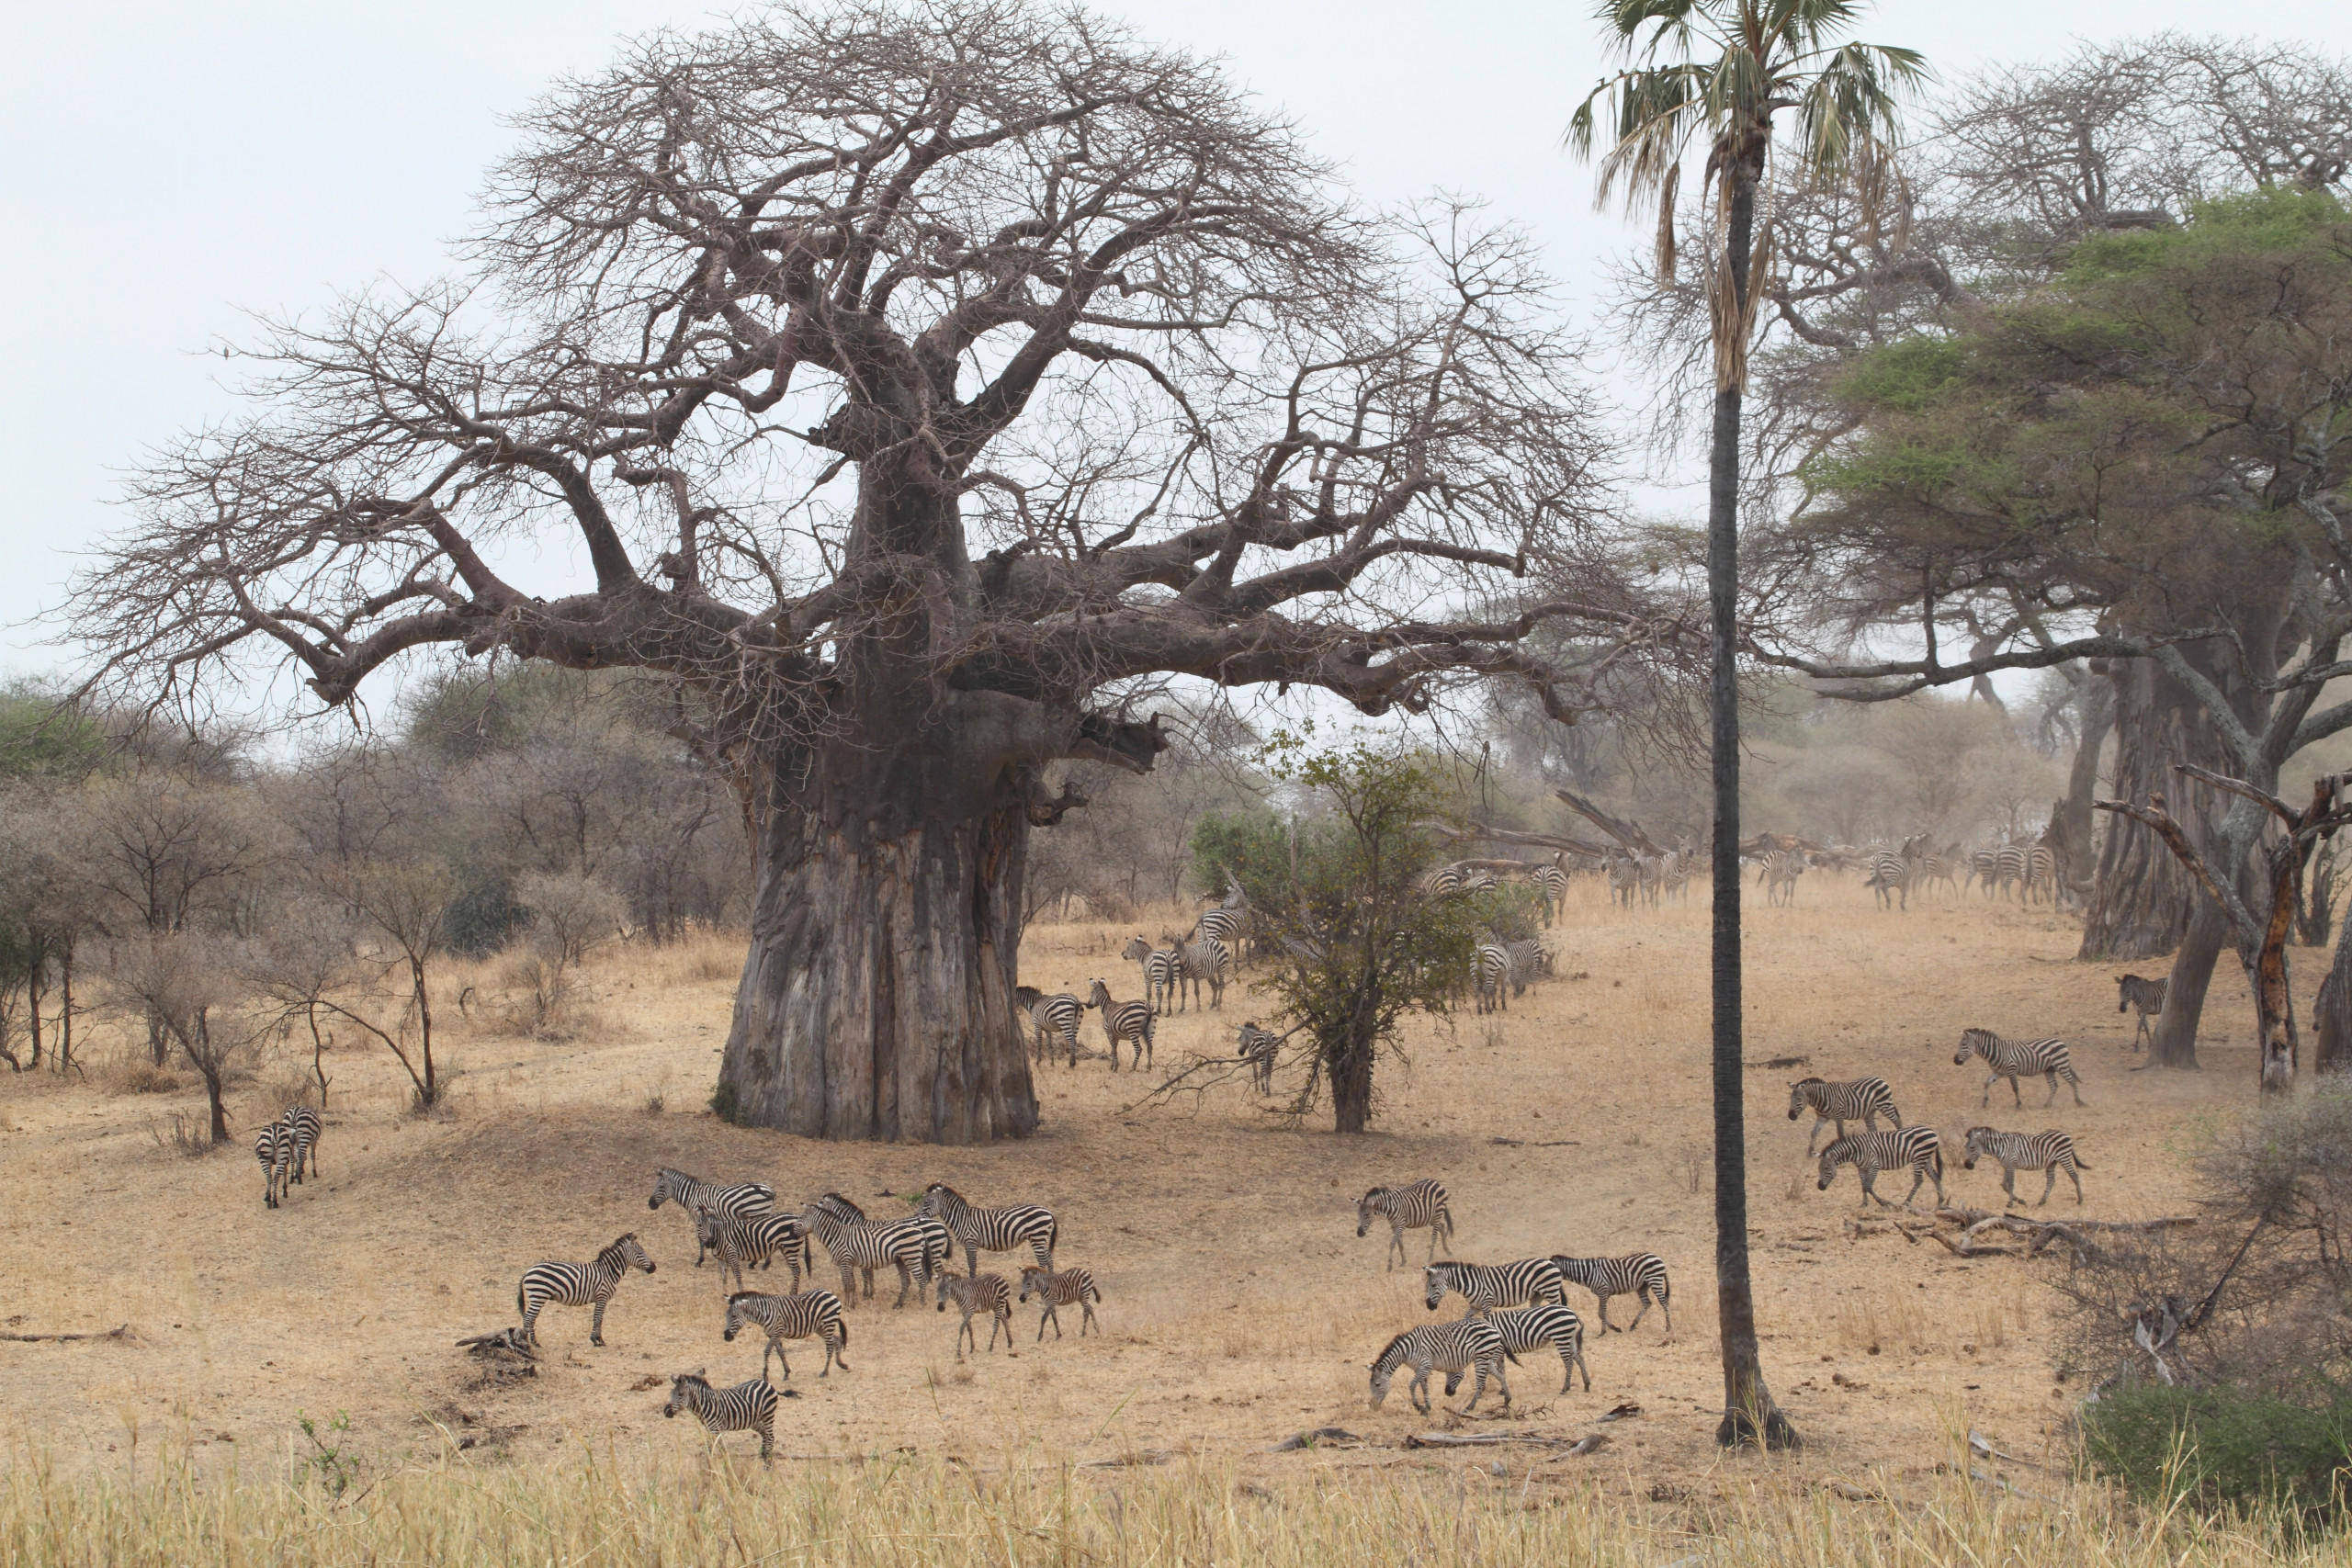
1720, 72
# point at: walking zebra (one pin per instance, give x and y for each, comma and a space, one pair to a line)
1551, 884
1490, 968
1779, 878
1257, 1048
2148, 996
1054, 1018
1641, 1274
1158, 972
864, 1245
990, 1230
1467, 1342
2012, 866
2049, 1153
578, 1284
753, 1240
272, 1149
1985, 865
804, 1314
1206, 959
1059, 1289
1870, 1153
1423, 1205
1531, 1328
983, 1292
691, 1192
301, 1123
1130, 1021
746, 1407
2041, 873
1856, 1100
2013, 1059
1485, 1286
1890, 877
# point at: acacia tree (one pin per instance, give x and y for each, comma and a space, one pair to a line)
911, 380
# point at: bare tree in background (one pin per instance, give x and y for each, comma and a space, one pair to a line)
186, 984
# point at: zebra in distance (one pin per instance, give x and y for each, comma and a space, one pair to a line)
1130, 1021
1470, 1343
1230, 921
2013, 1059
1159, 973
1639, 1274
2148, 996
1420, 1205
1451, 881
1779, 878
746, 1407
741, 1240
804, 1314
1205, 959
977, 1293
1257, 1047
2049, 1153
1060, 1288
272, 1149
856, 1244
1490, 969
1529, 960
990, 1230
1551, 884
1890, 877
578, 1284
691, 1194
1054, 1017
301, 1124
1870, 1153
1856, 1100
1485, 1286
1531, 1328
1985, 866
1624, 877
2012, 866
2041, 873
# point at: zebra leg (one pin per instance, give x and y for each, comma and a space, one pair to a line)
964, 1332
1419, 1389
1989, 1082
833, 1343
531, 1325
1642, 1296
767, 1437
906, 1276
1045, 1318
2072, 1176
1918, 1180
2072, 1083
596, 1324
1602, 1310
1870, 1187
1665, 1305
2048, 1183
2010, 1183
1086, 1308
1812, 1137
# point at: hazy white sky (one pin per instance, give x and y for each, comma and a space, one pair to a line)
174, 166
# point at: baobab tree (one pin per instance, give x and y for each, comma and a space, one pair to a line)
916, 384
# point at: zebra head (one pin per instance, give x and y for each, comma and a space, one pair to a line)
630, 1254
1136, 950
1799, 1099
1979, 1138
935, 1199
666, 1183
1973, 1043
1383, 1368
1835, 1155
1440, 1277
1098, 994
1034, 1280
738, 1313
1366, 1207
688, 1391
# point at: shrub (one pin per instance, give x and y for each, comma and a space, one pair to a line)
723, 1102
2219, 1446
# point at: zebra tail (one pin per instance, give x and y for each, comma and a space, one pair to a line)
1508, 1356
519, 1308
844, 1327
2080, 1164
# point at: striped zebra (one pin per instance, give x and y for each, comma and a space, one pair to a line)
1054, 1018
1257, 1047
746, 1407
1624, 877
2014, 1059
2049, 1153
1486, 1286
2041, 873
1130, 1021
578, 1284
1531, 1328
804, 1314
991, 1230
1490, 971
1551, 884
1159, 968
1205, 959
1466, 1343
1227, 926
1529, 960
1640, 1274
691, 1194
1779, 877
1418, 1205
1890, 877
272, 1149
2012, 866
1855, 1100
2148, 996
301, 1124
856, 1244
937, 1247
1451, 881
1060, 1288
1985, 865
978, 1294
741, 1240
1870, 1153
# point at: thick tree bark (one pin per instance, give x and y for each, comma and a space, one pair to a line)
2332, 1013
2142, 901
1351, 1088
2081, 783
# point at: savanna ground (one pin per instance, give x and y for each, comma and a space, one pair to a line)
1240, 1308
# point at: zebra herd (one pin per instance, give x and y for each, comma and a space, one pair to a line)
283, 1147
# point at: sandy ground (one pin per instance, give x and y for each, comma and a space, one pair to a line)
1241, 1306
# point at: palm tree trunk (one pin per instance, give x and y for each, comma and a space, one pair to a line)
1749, 1414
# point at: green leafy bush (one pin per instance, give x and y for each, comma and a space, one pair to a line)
2224, 1445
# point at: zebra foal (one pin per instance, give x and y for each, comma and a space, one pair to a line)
746, 1407
578, 1284
1130, 1021
977, 1293
1855, 1100
1467, 1343
1257, 1047
2013, 1059
804, 1314
1531, 1328
1418, 1205
1639, 1274
1060, 1288
1870, 1153
990, 1230
2049, 1153
2148, 996
1485, 1286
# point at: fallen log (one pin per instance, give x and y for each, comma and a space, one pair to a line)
121, 1332
1322, 1435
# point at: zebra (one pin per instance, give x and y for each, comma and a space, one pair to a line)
1530, 1328
1485, 1286
2041, 873
983, 1292
271, 1147
1450, 881
1053, 1017
990, 1230
1230, 921
1257, 1048
1856, 1100
1412, 1207
1624, 877
1491, 970
1158, 972
1890, 877
1985, 865
578, 1284
1638, 1274
864, 1245
1466, 1342
1551, 884
1130, 1021
2011, 1060
804, 1314
746, 1407
1206, 959
1870, 1153
301, 1123
2049, 1153
2012, 866
741, 1239
2148, 996
1060, 1288
1529, 960
1779, 878
691, 1192
936, 1244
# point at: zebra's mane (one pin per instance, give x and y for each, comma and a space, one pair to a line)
744, 1296
616, 1249
1393, 1351
691, 1380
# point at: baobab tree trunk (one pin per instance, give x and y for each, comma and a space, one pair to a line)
2082, 784
2332, 1013
2142, 900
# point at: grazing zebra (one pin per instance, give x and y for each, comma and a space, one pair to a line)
1529, 960
1159, 976
2013, 1059
1779, 878
752, 1240
1054, 1018
691, 1192
1551, 884
1257, 1048
578, 1284
983, 1292
1641, 1274
1890, 877
804, 1314
1409, 1207
1856, 1100
1870, 1153
1531, 1328
301, 1124
1060, 1288
1490, 969
864, 1245
746, 1407
1130, 1021
1467, 1342
1485, 1286
990, 1230
2049, 1153
2148, 996
1207, 959
271, 1147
